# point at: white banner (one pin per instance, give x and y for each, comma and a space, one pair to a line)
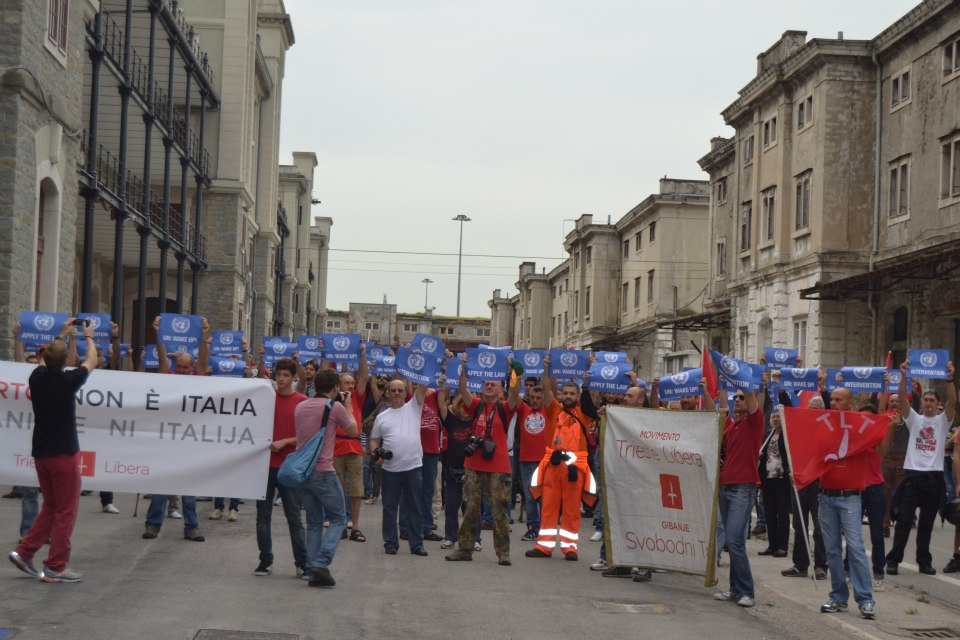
151, 433
659, 475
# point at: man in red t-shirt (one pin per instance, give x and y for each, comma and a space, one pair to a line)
488, 468
283, 443
348, 450
739, 478
535, 425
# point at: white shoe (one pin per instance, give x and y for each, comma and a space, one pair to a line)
477, 546
217, 514
232, 517
878, 584
745, 601
447, 544
599, 565
109, 508
176, 515
597, 536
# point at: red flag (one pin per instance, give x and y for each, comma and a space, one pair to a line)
706, 362
818, 439
806, 396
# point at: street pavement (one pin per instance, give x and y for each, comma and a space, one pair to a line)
173, 588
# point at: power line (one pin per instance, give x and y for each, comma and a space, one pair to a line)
437, 253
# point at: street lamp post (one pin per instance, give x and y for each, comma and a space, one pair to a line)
426, 294
461, 219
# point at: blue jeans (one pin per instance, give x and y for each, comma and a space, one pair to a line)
532, 505
234, 504
428, 475
291, 510
158, 509
323, 498
407, 485
736, 503
29, 507
843, 515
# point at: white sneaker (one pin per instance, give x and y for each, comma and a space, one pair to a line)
727, 596
878, 584
597, 536
447, 544
745, 601
109, 508
477, 546
176, 515
599, 565
67, 575
233, 515
217, 514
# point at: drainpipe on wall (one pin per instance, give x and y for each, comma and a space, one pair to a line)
875, 246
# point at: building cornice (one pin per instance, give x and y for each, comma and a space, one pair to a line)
715, 156
906, 25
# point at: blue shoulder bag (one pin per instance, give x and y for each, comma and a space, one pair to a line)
298, 466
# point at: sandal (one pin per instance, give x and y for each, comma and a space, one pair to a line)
357, 536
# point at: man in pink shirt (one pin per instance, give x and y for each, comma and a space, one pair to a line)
322, 494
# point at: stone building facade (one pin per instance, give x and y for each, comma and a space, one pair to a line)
626, 286
835, 207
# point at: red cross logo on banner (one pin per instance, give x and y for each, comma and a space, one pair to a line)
670, 494
86, 462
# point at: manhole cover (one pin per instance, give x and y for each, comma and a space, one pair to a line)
627, 606
932, 633
227, 634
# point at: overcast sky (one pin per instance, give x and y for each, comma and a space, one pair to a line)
521, 114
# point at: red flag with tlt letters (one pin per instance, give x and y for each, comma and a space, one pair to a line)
818, 439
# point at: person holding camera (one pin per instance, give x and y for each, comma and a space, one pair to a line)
395, 445
55, 445
487, 464
457, 428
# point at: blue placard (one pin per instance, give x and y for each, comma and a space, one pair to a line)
341, 347
930, 364
385, 365
778, 358
609, 377
568, 363
894, 384
82, 349
487, 364
227, 343
40, 327
610, 357
124, 349
271, 339
228, 367
680, 385
532, 361
151, 359
858, 379
737, 373
429, 345
416, 367
308, 347
374, 350
100, 323
452, 372
277, 350
832, 384
180, 333
793, 379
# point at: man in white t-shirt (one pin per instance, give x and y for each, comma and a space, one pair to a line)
395, 445
923, 484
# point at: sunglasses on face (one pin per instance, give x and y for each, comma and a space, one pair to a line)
738, 397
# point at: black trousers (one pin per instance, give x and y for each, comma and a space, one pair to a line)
808, 508
777, 496
923, 489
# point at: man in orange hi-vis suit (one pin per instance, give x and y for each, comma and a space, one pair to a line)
563, 479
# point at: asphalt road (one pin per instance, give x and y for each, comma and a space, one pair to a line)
172, 588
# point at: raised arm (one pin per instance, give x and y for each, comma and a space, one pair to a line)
654, 395
114, 346
92, 359
465, 395
708, 403
261, 367
547, 383
362, 372
70, 329
203, 357
351, 425
513, 393
18, 355
902, 390
950, 406
420, 392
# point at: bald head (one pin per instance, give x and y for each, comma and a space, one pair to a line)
184, 364
841, 399
634, 397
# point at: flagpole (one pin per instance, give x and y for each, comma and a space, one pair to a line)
796, 497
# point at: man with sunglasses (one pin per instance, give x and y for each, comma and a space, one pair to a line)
739, 477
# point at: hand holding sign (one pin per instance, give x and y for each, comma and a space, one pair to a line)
928, 363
